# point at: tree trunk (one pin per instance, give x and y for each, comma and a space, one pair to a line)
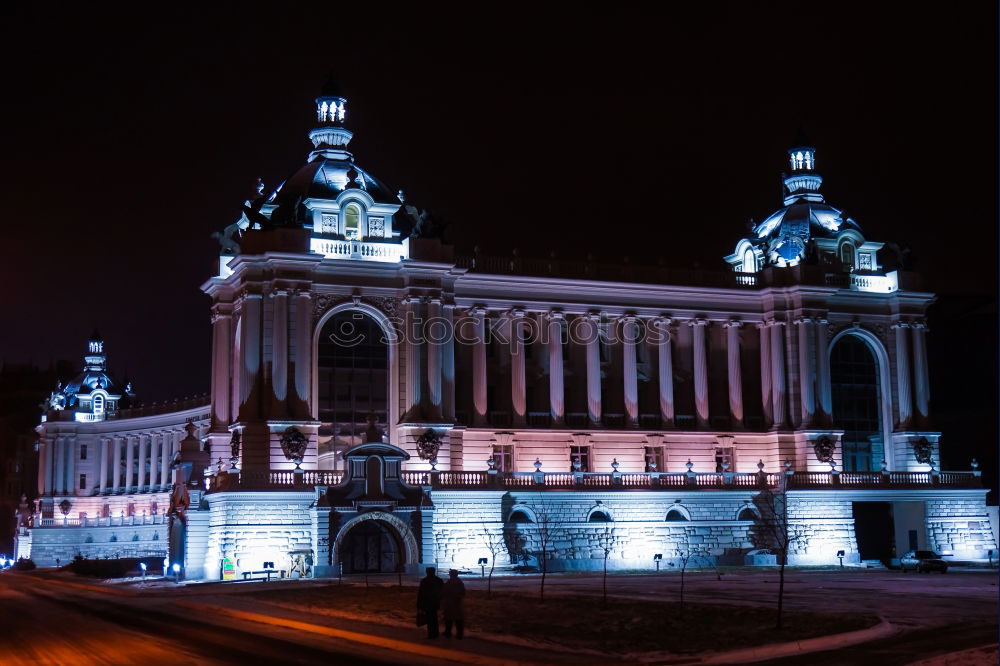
781, 591
605, 583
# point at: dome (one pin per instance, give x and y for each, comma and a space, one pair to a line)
87, 382
805, 219
323, 178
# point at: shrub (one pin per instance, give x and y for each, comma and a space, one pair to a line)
24, 564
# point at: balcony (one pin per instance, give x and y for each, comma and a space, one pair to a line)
360, 250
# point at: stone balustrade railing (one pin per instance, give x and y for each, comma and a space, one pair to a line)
495, 480
113, 521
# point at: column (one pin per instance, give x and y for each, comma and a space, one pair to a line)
903, 374
222, 322
141, 441
517, 378
630, 390
279, 349
479, 394
778, 392
129, 463
765, 371
116, 466
823, 371
42, 467
165, 456
700, 371
434, 334
412, 332
920, 379
665, 363
448, 365
250, 351
104, 467
303, 352
50, 465
807, 371
592, 336
59, 477
735, 373
71, 481
557, 394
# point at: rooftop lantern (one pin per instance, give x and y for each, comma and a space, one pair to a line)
330, 137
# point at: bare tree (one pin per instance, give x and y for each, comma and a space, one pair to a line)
606, 541
545, 528
773, 530
495, 542
684, 555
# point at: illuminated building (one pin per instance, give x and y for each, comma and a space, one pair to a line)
379, 403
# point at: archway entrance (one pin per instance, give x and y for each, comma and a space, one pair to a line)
372, 546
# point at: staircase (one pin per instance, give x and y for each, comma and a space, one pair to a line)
872, 564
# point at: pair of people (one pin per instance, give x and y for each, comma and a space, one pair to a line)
433, 594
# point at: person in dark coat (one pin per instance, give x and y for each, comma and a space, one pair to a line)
429, 600
452, 599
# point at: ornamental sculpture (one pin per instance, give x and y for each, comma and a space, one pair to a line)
428, 445
922, 450
294, 445
825, 447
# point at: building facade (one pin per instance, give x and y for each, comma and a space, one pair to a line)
378, 404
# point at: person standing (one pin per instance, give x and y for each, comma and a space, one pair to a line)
429, 600
452, 596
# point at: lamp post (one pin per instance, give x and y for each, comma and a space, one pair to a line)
840, 556
657, 558
484, 560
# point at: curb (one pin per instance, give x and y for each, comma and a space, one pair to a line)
88, 588
354, 636
818, 644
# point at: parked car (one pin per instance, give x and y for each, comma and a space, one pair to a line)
922, 561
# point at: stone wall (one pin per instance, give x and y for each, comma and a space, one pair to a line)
253, 528
64, 543
960, 525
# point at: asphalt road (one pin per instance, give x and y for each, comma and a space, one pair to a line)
45, 624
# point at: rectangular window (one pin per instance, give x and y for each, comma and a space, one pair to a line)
503, 454
724, 459
581, 454
654, 459
83, 452
83, 482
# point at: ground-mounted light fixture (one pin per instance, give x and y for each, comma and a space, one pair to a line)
483, 561
840, 555
657, 558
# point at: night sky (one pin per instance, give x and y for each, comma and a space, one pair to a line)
129, 139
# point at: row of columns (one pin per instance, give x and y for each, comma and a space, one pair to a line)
237, 356
590, 334
430, 386
61, 460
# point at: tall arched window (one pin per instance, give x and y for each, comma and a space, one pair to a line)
352, 367
847, 255
352, 222
749, 262
98, 404
857, 404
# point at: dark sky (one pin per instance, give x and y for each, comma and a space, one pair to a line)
129, 139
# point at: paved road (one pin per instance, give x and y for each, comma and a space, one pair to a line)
45, 624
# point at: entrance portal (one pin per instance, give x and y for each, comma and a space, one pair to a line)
371, 546
873, 527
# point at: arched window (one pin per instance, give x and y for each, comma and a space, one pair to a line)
749, 262
353, 378
98, 404
599, 516
520, 517
746, 513
857, 406
847, 254
675, 515
352, 222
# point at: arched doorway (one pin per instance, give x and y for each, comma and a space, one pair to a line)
371, 546
352, 382
857, 403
